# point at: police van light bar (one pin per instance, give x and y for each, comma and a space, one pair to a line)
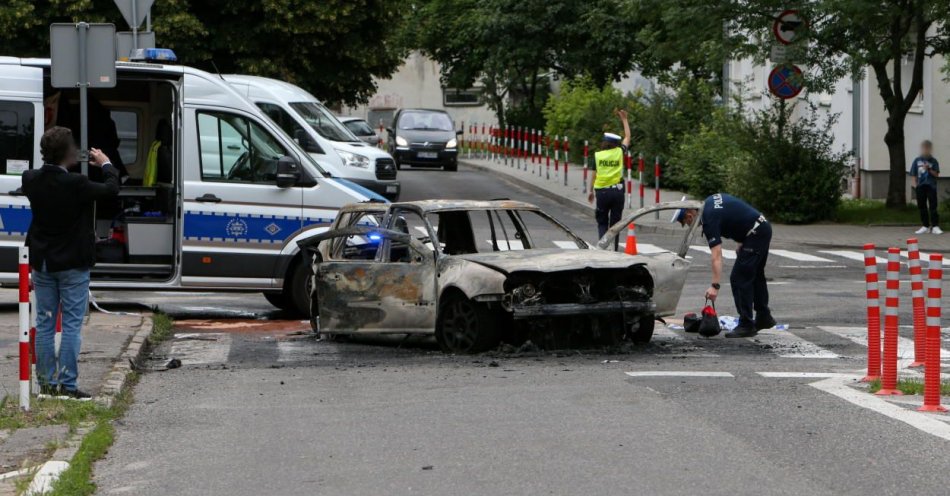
154, 55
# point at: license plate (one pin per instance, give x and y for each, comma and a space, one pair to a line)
392, 189
428, 155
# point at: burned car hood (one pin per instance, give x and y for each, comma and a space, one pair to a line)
552, 260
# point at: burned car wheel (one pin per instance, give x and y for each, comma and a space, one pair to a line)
465, 326
641, 331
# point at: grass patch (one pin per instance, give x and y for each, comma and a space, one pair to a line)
161, 328
873, 212
47, 412
910, 386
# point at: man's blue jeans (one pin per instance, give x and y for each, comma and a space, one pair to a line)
69, 290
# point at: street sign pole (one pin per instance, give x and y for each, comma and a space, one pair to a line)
135, 30
83, 101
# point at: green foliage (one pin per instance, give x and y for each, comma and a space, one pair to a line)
794, 175
333, 48
584, 111
706, 162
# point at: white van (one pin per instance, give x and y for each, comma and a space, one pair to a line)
320, 133
231, 196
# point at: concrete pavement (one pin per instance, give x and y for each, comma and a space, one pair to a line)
829, 235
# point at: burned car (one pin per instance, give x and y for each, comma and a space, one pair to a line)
478, 272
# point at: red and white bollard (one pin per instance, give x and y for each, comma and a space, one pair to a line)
507, 146
891, 304
874, 314
24, 327
932, 368
656, 185
525, 148
567, 160
640, 178
547, 157
586, 166
557, 157
917, 293
629, 162
483, 143
539, 151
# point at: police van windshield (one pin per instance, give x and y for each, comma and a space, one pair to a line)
323, 122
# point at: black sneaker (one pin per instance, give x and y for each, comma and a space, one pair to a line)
76, 394
742, 332
767, 322
49, 391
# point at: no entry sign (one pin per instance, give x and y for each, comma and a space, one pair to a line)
785, 81
786, 26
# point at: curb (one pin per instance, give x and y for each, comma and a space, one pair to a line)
118, 377
576, 205
48, 473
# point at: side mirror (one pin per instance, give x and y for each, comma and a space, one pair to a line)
288, 172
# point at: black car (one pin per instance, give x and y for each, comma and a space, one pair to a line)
422, 137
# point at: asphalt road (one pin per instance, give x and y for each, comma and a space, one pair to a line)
259, 407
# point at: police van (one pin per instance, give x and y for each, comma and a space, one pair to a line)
320, 133
214, 196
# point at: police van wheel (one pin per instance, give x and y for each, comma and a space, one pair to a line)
280, 300
301, 284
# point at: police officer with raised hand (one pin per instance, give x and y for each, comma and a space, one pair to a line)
607, 181
725, 216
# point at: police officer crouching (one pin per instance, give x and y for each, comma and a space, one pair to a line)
725, 216
607, 182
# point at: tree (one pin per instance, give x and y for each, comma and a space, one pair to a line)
845, 37
513, 48
334, 48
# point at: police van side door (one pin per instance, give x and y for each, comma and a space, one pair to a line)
236, 218
21, 126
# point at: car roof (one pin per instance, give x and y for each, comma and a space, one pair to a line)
437, 111
280, 90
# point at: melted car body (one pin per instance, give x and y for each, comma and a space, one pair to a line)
476, 272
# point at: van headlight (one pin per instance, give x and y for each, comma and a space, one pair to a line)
354, 160
400, 141
452, 143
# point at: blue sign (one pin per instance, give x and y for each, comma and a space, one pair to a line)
785, 81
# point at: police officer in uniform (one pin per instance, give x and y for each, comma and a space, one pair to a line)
725, 216
607, 181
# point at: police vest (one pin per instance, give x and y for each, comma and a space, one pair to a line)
609, 165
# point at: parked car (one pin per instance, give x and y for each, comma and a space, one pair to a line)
477, 272
320, 133
362, 130
422, 137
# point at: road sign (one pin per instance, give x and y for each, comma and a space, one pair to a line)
785, 81
786, 26
73, 46
134, 11
124, 43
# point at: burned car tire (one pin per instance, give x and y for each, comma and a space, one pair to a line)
641, 332
465, 326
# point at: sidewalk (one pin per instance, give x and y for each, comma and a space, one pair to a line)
819, 235
106, 343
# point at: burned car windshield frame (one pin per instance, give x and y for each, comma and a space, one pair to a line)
504, 239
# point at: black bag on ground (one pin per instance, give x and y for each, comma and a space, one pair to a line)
691, 322
709, 323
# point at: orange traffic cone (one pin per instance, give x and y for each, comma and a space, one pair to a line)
631, 245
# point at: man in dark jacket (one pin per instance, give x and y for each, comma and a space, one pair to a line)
62, 251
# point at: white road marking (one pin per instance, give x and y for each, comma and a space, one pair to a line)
800, 257
201, 348
565, 245
727, 254
851, 255
905, 346
647, 249
678, 373
812, 267
789, 345
805, 375
920, 421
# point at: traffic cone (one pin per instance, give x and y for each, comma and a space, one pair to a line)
631, 244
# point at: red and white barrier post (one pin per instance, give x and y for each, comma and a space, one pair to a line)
567, 157
557, 157
547, 157
525, 147
507, 146
24, 327
874, 314
379, 139
917, 294
891, 303
586, 166
629, 162
539, 151
640, 178
656, 183
932, 368
483, 143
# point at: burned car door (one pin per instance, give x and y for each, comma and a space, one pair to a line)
375, 281
669, 269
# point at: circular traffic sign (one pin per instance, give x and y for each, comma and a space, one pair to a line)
785, 81
786, 26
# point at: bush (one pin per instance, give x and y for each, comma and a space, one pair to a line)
707, 162
582, 111
794, 174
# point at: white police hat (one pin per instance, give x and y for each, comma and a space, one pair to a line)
611, 137
678, 214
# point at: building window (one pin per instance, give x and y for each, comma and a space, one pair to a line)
452, 97
16, 137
